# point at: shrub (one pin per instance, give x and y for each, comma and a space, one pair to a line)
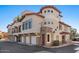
74, 39
55, 43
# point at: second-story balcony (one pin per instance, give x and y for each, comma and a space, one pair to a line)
16, 29
46, 29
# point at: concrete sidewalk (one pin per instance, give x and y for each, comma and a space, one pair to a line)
63, 45
75, 42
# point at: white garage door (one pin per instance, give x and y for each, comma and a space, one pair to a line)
33, 40
22, 39
27, 40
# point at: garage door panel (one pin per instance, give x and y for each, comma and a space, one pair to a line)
27, 40
33, 40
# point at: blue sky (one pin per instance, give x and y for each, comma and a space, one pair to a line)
9, 12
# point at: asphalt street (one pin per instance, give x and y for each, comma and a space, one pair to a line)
13, 47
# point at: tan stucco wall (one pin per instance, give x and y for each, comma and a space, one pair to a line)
55, 13
65, 28
52, 17
36, 24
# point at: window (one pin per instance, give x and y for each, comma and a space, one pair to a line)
20, 28
44, 22
23, 26
57, 27
30, 24
48, 38
13, 30
26, 25
51, 11
53, 31
48, 10
19, 38
45, 11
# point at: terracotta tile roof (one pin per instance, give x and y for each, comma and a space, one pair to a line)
64, 24
50, 7
27, 14
34, 14
8, 25
64, 33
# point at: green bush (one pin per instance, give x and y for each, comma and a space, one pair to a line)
55, 43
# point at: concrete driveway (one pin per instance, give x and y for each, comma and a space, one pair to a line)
13, 47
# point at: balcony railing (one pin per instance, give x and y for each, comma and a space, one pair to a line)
46, 29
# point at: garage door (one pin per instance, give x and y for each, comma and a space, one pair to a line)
33, 40
27, 40
22, 39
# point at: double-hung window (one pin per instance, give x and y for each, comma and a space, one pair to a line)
27, 25
23, 25
30, 23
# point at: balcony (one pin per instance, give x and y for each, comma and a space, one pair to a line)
46, 29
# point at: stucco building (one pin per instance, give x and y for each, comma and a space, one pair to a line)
41, 28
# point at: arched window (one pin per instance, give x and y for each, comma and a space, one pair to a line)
45, 11
44, 22
48, 37
48, 11
51, 11
19, 28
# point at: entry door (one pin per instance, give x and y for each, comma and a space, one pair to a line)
19, 38
63, 39
16, 38
43, 39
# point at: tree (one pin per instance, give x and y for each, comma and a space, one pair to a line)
17, 18
73, 33
77, 35
0, 36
